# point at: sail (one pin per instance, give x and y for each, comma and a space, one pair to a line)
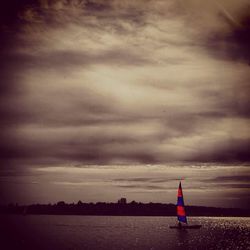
181, 214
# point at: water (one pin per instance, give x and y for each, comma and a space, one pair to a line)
114, 233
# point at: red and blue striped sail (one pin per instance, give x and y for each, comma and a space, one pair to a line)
181, 214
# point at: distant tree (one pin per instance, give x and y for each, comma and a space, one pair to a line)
60, 203
79, 203
133, 202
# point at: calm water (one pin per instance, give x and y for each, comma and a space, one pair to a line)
107, 233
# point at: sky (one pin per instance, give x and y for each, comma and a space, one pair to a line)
109, 99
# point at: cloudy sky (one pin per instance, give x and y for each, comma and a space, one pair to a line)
103, 99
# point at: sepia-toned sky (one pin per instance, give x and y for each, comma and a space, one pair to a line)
103, 99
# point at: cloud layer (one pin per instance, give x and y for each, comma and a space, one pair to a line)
124, 82
209, 185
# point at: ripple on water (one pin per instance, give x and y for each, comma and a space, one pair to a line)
136, 233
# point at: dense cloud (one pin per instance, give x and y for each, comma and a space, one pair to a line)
124, 82
90, 51
234, 44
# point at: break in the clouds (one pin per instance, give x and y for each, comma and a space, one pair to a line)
124, 82
210, 185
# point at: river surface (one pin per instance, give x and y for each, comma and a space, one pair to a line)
125, 232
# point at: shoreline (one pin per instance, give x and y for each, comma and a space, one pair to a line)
116, 209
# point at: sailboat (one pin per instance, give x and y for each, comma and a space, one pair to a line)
181, 213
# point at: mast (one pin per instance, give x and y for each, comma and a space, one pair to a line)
181, 214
